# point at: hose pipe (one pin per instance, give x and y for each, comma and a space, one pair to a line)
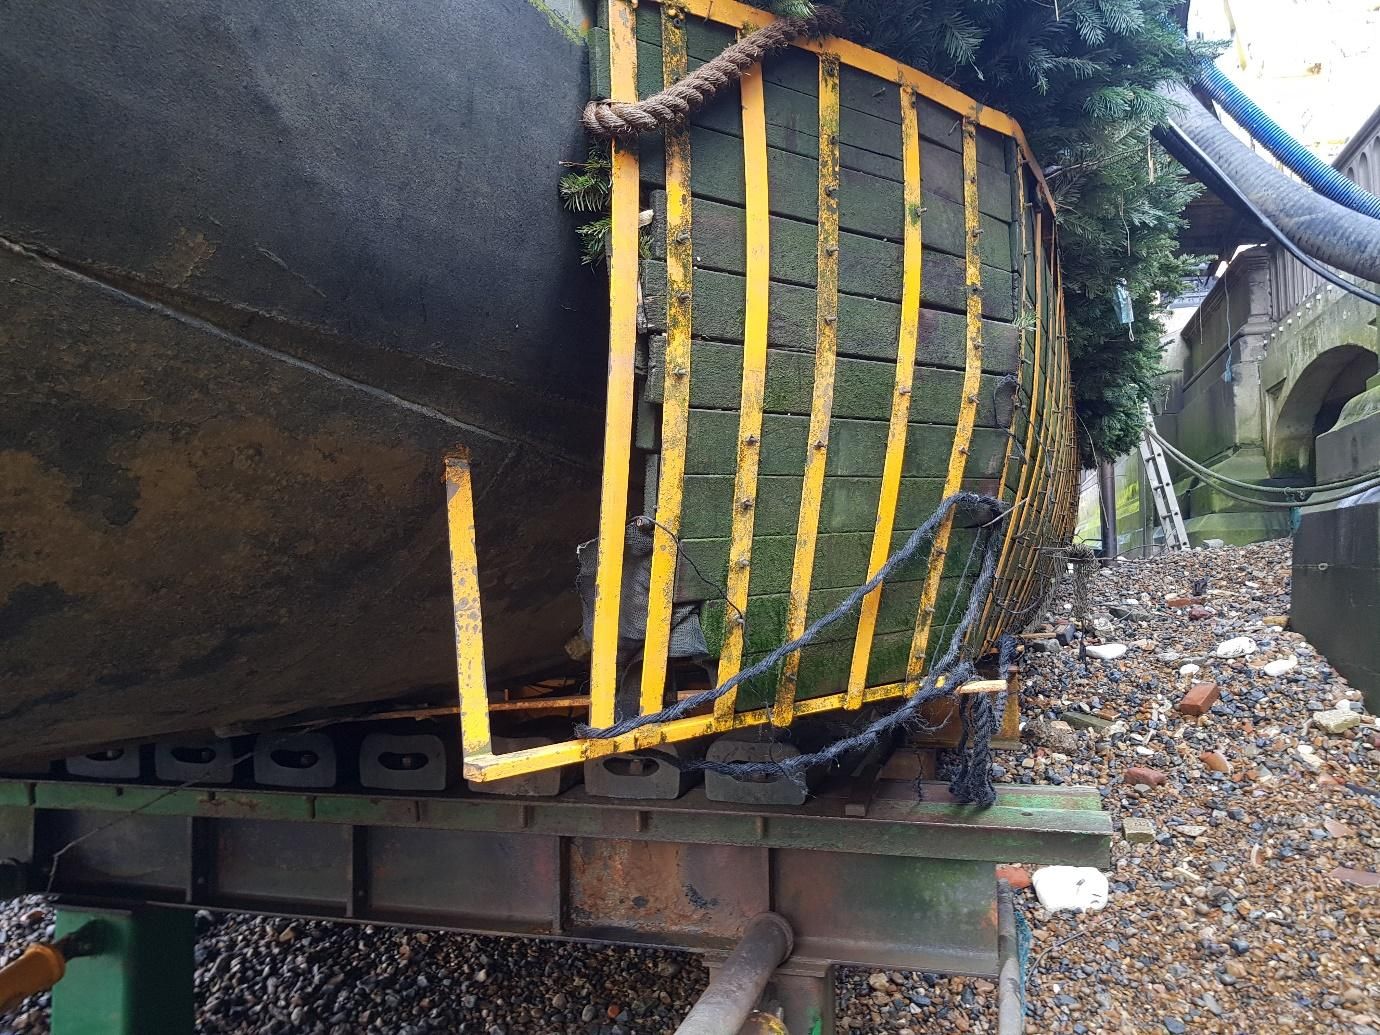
1322, 177
1323, 229
42, 965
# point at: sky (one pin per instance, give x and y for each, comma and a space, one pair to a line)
1314, 65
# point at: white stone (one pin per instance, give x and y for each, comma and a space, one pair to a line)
1238, 647
1077, 889
1107, 651
1338, 720
1189, 670
1280, 666
1191, 830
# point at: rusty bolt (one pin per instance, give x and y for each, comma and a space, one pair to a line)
746, 504
973, 398
682, 296
743, 562
819, 443
751, 440
683, 237
831, 320
831, 190
903, 390
831, 249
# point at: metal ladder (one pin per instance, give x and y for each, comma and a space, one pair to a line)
1162, 488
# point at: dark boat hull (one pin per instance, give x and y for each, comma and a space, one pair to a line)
264, 265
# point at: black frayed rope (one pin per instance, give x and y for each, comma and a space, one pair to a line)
681, 709
952, 670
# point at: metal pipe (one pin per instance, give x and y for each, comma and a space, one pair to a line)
1010, 1008
732, 995
1106, 492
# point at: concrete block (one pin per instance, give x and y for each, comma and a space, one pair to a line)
748, 746
300, 760
204, 761
408, 761
122, 763
546, 784
630, 776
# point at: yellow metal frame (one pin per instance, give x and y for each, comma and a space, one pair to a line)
1030, 522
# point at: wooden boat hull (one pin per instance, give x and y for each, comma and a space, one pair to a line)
263, 265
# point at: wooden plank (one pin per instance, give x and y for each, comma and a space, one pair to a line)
841, 562
767, 616
856, 447
868, 328
868, 204
863, 387
868, 266
848, 504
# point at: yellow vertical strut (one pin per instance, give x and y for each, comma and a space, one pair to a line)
906, 344
675, 407
464, 589
822, 402
613, 505
1021, 507
754, 381
1049, 428
967, 411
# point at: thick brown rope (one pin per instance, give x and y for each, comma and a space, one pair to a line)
674, 105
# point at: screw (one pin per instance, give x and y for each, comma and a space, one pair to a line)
746, 504
751, 440
903, 390
819, 443
682, 296
679, 372
742, 563
831, 249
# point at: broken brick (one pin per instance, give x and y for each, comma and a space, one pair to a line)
1216, 761
1199, 699
1184, 601
1144, 774
1017, 876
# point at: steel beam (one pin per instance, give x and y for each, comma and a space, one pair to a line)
911, 886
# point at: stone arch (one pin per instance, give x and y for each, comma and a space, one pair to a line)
1314, 402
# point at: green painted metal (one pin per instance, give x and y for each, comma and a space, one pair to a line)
1033, 824
140, 980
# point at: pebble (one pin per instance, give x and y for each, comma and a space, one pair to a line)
1237, 647
1106, 651
1280, 666
1337, 720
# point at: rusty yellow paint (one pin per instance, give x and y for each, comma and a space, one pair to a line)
912, 266
743, 17
1020, 320
613, 501
758, 275
464, 589
1003, 581
484, 767
822, 399
1031, 545
675, 408
967, 410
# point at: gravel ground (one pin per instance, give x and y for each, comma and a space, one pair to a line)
1229, 919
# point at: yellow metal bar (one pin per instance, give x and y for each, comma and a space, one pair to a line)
967, 411
911, 278
1020, 320
613, 504
822, 402
675, 406
486, 767
464, 589
754, 380
1049, 432
1020, 508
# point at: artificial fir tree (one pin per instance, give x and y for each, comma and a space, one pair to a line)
1080, 77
